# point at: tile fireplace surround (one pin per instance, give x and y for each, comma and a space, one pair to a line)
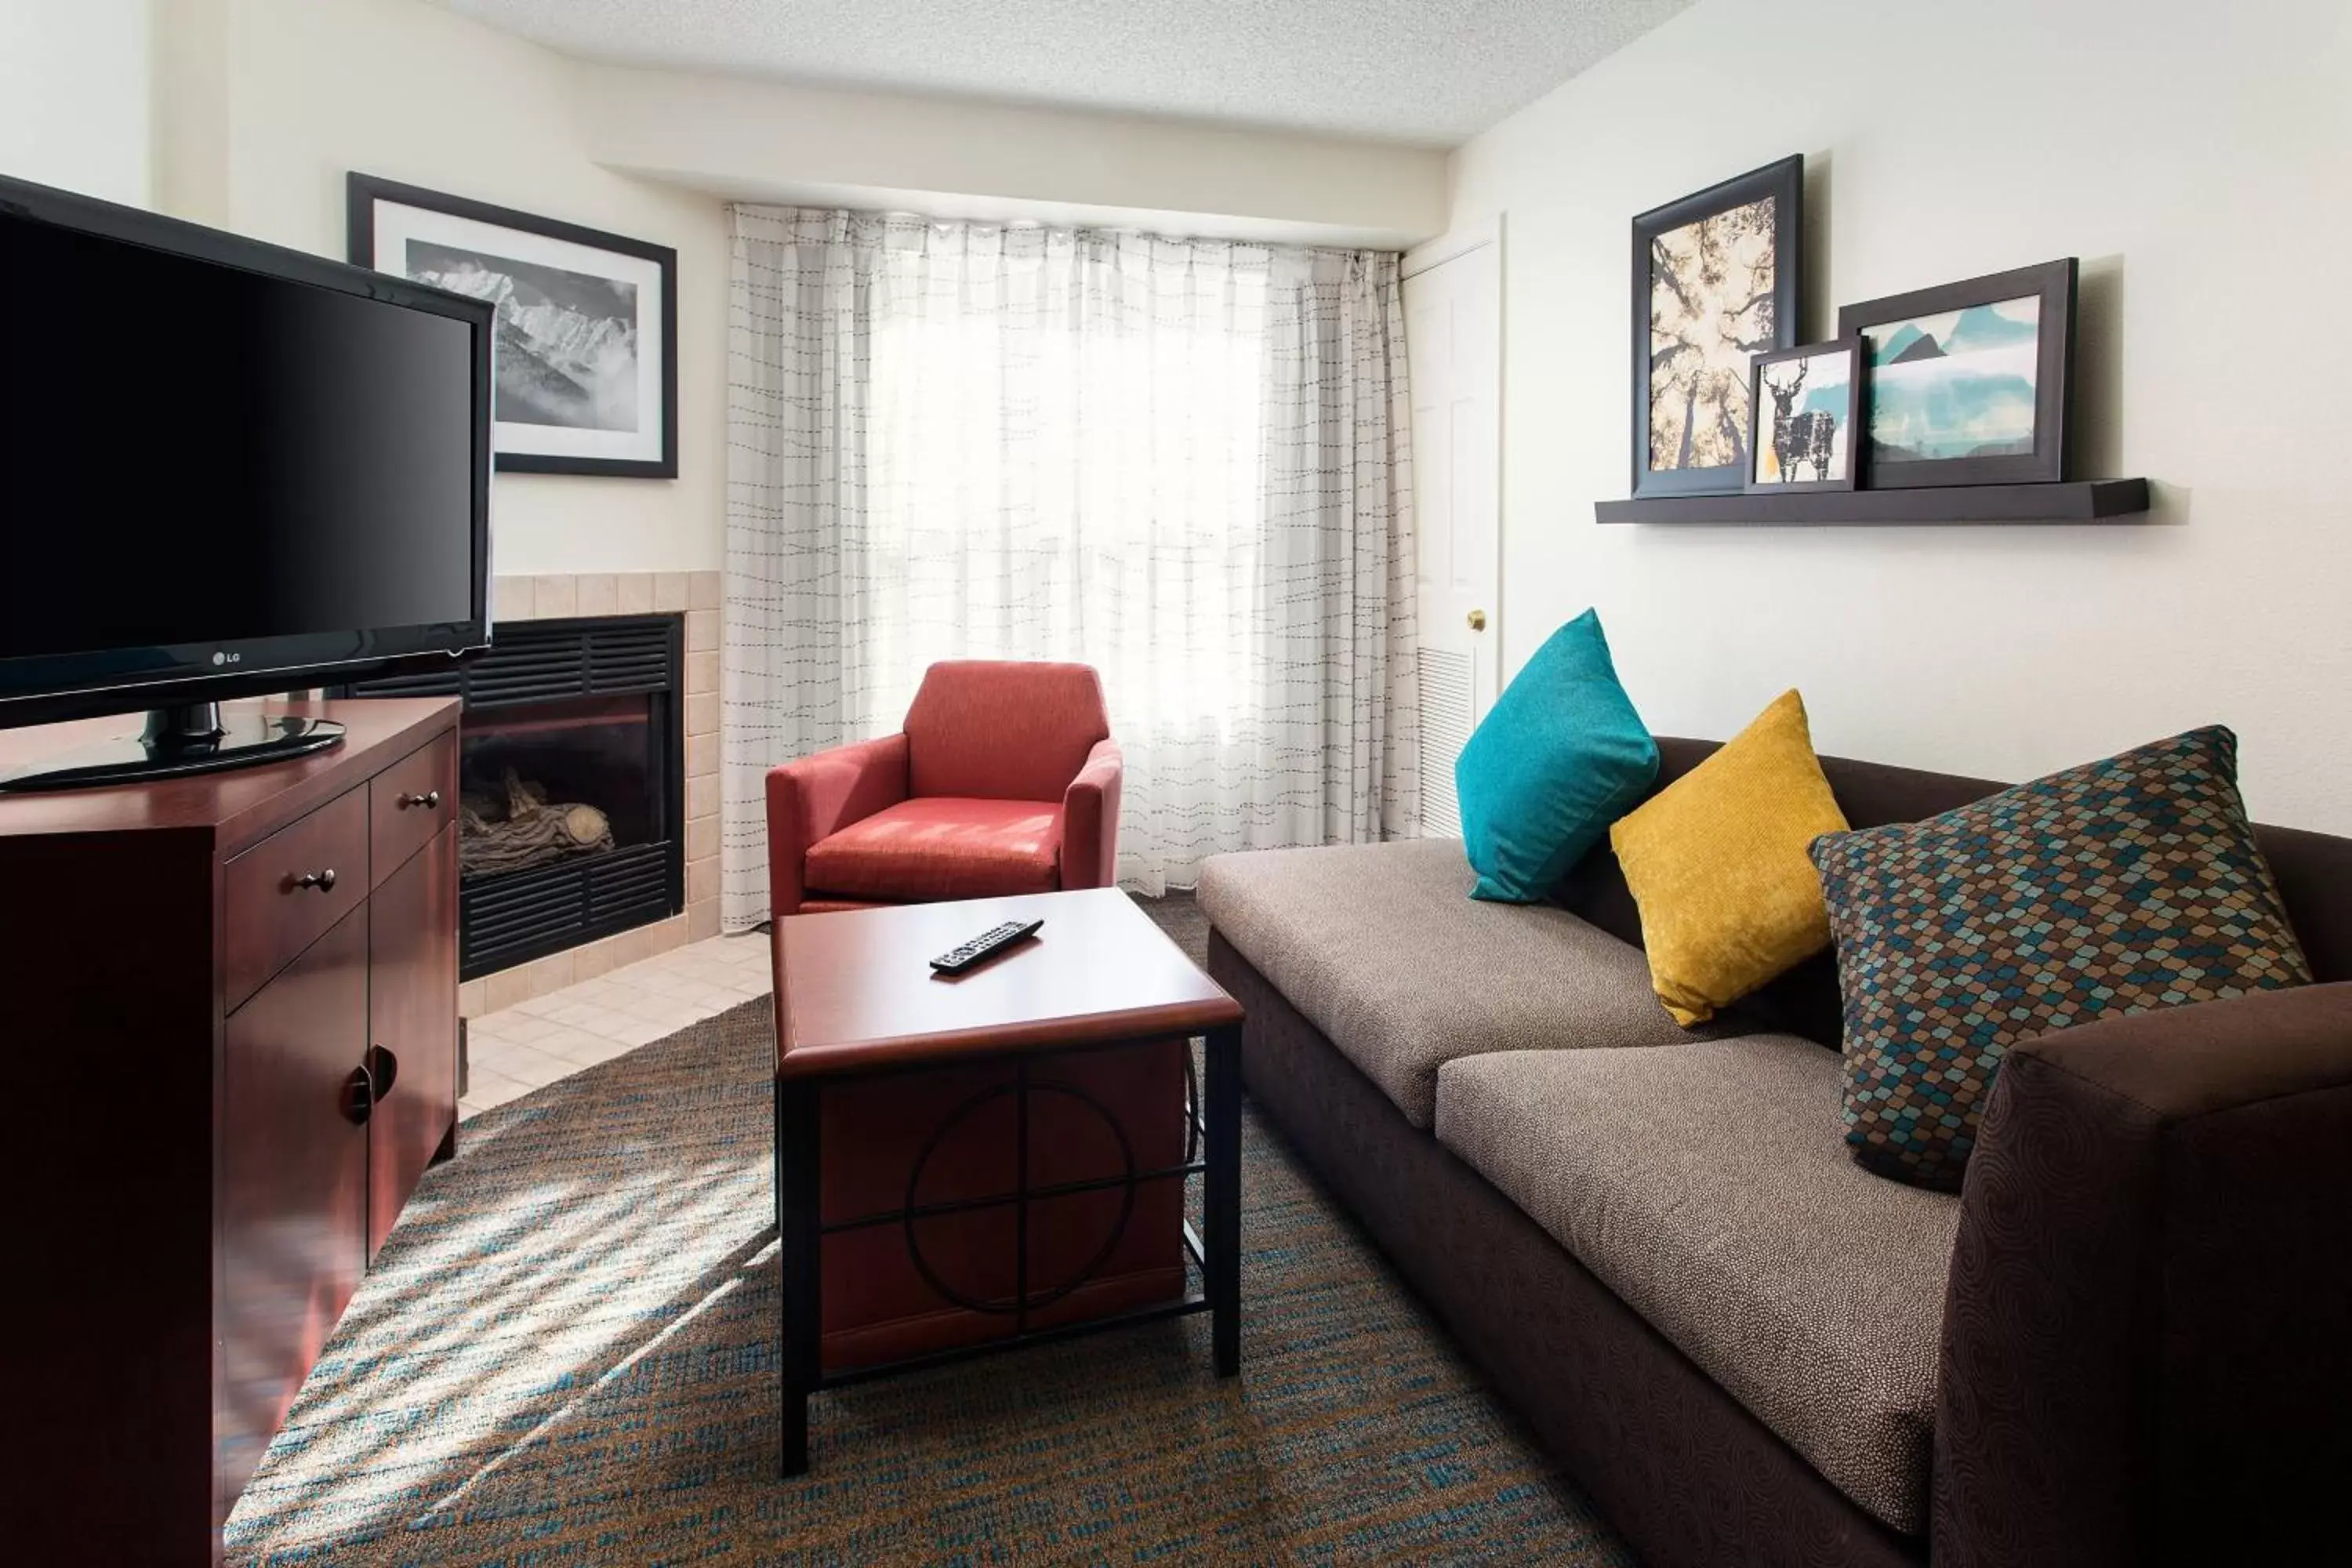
695, 596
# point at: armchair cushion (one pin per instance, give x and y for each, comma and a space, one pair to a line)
1002, 730
941, 847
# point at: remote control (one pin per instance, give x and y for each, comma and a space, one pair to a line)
956, 960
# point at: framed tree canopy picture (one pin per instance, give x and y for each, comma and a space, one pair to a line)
586, 373
1714, 281
1969, 383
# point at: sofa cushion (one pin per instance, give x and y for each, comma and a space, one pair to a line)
2114, 887
941, 847
1380, 946
1708, 1186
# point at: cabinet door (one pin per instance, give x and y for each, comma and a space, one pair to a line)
294, 1170
413, 1027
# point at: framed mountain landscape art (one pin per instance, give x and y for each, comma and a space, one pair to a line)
586, 372
1714, 281
1969, 384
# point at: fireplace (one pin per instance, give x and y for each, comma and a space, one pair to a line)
571, 795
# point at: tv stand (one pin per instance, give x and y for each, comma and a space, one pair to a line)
189, 737
230, 1006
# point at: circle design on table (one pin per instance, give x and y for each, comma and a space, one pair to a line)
1036, 1302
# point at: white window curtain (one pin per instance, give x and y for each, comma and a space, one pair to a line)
1181, 461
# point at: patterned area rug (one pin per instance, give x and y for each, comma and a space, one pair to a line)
568, 1356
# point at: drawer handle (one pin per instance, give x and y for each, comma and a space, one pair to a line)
359, 1097
383, 1070
430, 799
322, 881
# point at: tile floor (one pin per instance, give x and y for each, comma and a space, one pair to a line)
532, 1043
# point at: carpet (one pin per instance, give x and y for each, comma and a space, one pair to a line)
567, 1356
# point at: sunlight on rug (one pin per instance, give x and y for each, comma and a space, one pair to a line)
568, 1356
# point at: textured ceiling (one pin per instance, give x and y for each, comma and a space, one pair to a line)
1433, 72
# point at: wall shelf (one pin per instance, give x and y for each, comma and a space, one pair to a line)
2075, 500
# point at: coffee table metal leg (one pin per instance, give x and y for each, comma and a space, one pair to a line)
797, 1220
1223, 1197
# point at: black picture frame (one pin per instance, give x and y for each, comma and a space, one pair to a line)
362, 192
1783, 183
2052, 459
1848, 414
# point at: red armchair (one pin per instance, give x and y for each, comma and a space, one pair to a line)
1003, 780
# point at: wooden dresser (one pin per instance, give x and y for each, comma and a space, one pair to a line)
228, 1011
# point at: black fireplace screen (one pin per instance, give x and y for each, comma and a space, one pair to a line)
545, 782
570, 783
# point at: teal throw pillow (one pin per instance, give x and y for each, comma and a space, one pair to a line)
1559, 757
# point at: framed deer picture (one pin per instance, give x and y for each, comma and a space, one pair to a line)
1802, 407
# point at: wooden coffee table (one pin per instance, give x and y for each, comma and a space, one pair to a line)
857, 998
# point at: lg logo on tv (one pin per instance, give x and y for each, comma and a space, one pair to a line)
226, 657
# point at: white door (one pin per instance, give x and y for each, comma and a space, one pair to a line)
1453, 343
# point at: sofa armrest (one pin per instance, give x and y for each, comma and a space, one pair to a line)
1090, 819
820, 795
2147, 1333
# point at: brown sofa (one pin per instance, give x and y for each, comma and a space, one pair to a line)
2128, 1339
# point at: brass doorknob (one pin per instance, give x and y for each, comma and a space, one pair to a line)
1477, 620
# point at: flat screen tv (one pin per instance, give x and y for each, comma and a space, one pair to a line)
226, 469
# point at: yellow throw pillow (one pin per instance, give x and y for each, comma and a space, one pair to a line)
1717, 861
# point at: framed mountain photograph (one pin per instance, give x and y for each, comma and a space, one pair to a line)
1803, 408
1714, 281
1969, 383
587, 324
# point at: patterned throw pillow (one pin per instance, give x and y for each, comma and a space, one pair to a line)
2117, 887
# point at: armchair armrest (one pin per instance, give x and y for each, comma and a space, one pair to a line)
2148, 1334
820, 795
1090, 819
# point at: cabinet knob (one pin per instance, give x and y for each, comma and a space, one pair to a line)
1477, 620
322, 881
359, 1097
383, 1070
428, 800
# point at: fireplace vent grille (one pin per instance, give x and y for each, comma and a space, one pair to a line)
542, 661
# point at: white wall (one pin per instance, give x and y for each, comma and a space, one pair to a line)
74, 95
2194, 156
312, 89
761, 141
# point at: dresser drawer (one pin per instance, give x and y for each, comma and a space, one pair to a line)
281, 895
410, 802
